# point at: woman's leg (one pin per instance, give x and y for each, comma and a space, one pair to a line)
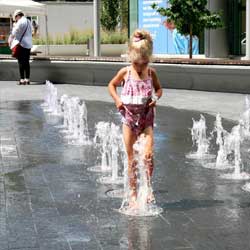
129, 140
21, 63
27, 63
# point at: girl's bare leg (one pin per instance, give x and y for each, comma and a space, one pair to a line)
129, 140
148, 158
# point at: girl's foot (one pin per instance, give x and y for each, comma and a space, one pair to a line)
151, 198
21, 82
133, 199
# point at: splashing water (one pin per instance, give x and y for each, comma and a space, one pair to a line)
74, 112
73, 118
54, 103
83, 125
200, 140
246, 122
115, 146
144, 204
75, 123
246, 187
70, 107
51, 100
222, 140
246, 118
120, 193
101, 140
45, 104
63, 100
67, 120
234, 143
80, 133
221, 159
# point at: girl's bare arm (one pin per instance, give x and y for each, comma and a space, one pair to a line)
156, 84
116, 81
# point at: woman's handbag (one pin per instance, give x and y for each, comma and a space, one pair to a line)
16, 50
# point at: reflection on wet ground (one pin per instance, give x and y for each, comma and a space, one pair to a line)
50, 201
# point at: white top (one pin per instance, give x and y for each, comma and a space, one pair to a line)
137, 91
18, 31
138, 100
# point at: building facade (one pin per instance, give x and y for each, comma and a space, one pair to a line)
236, 26
220, 43
64, 16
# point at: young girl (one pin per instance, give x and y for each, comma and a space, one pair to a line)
141, 90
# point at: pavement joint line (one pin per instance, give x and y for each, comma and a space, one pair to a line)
68, 242
26, 188
164, 219
31, 208
51, 194
189, 217
86, 206
188, 242
179, 248
213, 227
98, 242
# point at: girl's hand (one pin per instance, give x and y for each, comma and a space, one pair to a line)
152, 103
153, 100
119, 105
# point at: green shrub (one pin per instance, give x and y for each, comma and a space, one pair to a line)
58, 40
113, 37
81, 37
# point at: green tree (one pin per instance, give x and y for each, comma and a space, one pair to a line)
110, 11
190, 17
124, 14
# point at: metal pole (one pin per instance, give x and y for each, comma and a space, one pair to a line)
47, 52
247, 30
47, 35
96, 27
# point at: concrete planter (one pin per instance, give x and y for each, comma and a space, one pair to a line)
113, 49
78, 50
220, 78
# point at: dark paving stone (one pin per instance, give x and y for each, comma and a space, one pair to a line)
24, 248
22, 242
49, 201
4, 243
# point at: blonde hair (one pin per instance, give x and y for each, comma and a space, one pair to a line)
140, 45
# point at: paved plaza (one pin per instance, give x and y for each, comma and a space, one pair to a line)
50, 201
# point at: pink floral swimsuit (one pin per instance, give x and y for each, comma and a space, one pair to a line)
135, 96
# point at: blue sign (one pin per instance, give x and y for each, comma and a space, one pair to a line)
166, 39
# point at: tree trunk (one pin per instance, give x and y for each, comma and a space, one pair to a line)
191, 41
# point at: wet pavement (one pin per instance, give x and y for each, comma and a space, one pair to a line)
229, 105
49, 201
